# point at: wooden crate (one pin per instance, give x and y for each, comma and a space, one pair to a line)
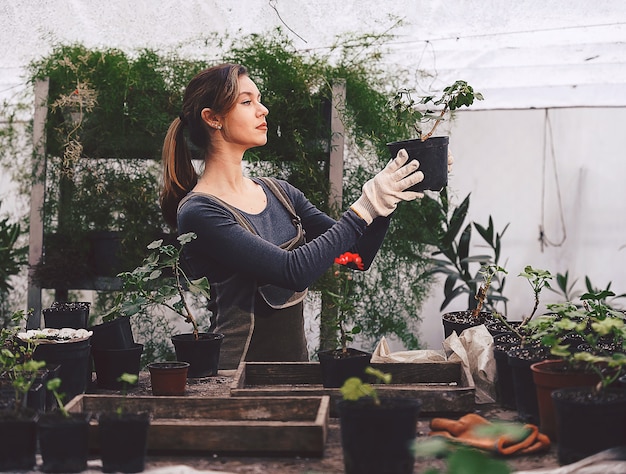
284, 426
441, 386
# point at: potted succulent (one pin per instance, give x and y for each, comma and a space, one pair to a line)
589, 342
161, 281
18, 423
123, 436
431, 152
63, 436
343, 362
377, 434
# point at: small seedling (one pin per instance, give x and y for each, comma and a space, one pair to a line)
538, 280
127, 380
488, 272
53, 385
354, 388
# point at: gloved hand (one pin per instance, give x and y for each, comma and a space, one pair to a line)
383, 192
450, 161
463, 431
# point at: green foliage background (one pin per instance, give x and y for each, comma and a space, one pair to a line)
139, 94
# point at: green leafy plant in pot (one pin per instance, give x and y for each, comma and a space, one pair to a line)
431, 152
515, 351
465, 272
377, 433
161, 281
18, 423
343, 362
588, 339
63, 436
123, 434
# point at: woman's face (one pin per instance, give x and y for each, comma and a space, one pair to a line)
245, 124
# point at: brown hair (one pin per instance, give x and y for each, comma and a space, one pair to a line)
215, 88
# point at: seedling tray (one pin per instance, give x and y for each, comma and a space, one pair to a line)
441, 386
280, 426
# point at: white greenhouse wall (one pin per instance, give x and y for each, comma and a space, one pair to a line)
499, 158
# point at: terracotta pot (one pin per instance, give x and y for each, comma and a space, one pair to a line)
550, 375
168, 378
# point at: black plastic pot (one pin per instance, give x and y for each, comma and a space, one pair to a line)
520, 359
63, 442
337, 367
505, 391
123, 441
105, 253
114, 334
74, 361
588, 423
203, 354
18, 441
109, 364
459, 321
377, 439
67, 315
432, 155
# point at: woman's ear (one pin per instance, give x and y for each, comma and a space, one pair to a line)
211, 118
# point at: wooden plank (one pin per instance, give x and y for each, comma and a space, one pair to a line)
37, 197
286, 426
440, 386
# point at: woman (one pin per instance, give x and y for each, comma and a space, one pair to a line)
260, 243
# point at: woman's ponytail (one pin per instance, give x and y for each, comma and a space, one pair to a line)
179, 175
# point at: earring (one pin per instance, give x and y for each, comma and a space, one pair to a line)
218, 126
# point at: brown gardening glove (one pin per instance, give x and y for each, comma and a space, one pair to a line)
462, 431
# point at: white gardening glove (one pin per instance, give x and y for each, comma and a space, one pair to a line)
383, 192
450, 161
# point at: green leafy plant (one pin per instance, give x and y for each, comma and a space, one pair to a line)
453, 243
16, 362
538, 280
354, 388
459, 94
343, 298
53, 385
127, 380
488, 272
600, 330
159, 281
